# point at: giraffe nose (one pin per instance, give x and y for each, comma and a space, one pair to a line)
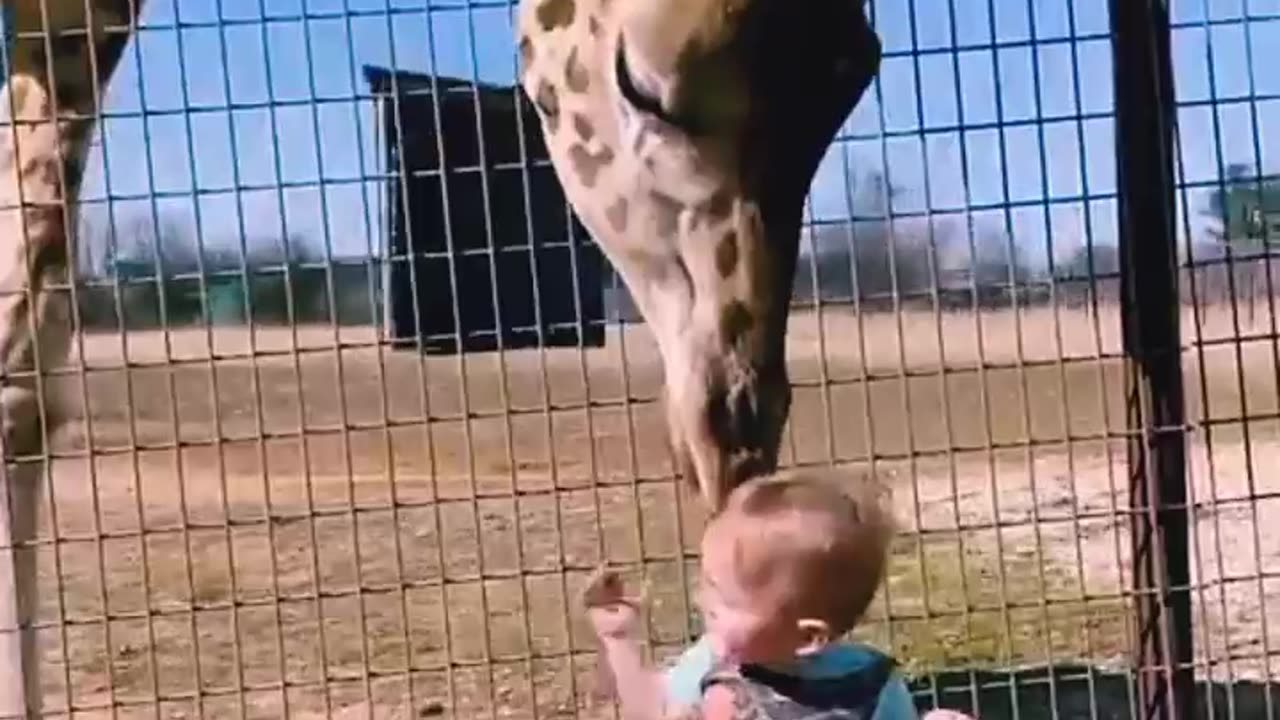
746, 464
743, 415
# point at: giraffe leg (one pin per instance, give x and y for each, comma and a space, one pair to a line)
19, 651
61, 55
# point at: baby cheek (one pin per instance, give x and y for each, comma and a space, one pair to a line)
729, 638
722, 647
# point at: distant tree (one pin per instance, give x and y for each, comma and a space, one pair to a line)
295, 249
880, 194
865, 257
869, 256
159, 260
996, 261
93, 242
1086, 262
1244, 211
147, 246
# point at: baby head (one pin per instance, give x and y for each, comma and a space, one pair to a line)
791, 563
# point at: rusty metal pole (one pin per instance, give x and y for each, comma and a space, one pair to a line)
1145, 147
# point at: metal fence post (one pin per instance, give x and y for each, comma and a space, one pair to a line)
1145, 117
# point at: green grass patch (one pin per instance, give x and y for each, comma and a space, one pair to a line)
974, 607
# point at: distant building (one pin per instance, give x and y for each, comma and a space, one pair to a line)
505, 218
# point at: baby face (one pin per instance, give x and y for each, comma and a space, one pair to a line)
743, 624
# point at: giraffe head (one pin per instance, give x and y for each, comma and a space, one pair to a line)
686, 134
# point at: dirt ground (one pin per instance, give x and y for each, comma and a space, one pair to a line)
269, 522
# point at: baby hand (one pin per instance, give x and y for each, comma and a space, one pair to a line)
611, 613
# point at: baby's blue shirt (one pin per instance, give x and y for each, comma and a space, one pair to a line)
684, 679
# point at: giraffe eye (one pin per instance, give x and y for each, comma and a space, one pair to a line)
646, 103
627, 85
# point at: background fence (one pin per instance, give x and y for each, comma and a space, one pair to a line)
268, 509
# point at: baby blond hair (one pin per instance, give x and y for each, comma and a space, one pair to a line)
815, 539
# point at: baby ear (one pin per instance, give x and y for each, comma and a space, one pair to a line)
815, 635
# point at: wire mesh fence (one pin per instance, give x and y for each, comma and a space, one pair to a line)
275, 494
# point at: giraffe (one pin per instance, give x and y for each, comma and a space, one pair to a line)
681, 130
61, 54
686, 134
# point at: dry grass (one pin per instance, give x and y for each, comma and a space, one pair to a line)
213, 491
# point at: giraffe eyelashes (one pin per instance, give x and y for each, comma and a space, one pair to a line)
646, 103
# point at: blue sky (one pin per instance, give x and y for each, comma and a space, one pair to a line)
268, 96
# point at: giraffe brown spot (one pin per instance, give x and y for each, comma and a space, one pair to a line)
526, 50
48, 174
576, 78
666, 214
727, 254
735, 320
48, 241
554, 14
700, 165
52, 255
616, 214
587, 165
582, 125
593, 25
549, 103
657, 269
714, 210
719, 205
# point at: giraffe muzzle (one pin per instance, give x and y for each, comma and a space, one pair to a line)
726, 426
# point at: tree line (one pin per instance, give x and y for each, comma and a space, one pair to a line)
157, 265
152, 273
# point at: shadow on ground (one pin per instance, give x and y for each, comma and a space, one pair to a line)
1076, 691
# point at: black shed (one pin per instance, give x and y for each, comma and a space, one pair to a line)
530, 239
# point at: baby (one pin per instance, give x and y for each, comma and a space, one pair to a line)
788, 566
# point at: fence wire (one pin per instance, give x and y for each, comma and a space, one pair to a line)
283, 491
